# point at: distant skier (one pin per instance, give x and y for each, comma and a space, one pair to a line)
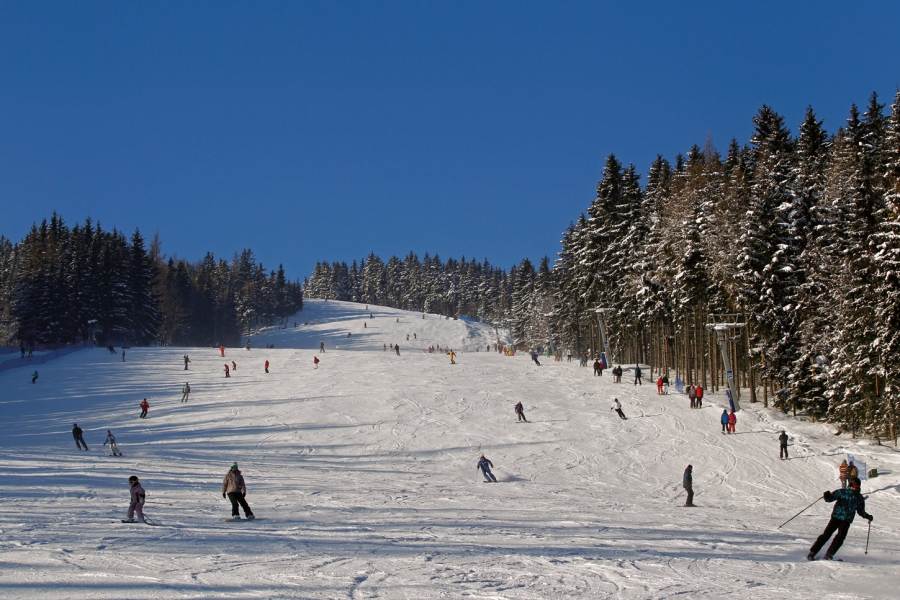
732, 420
233, 366
111, 349
598, 370
659, 386
138, 497
34, 376
315, 362
111, 440
452, 357
407, 337
688, 483
698, 392
397, 349
222, 350
78, 434
321, 346
185, 392
234, 488
665, 382
783, 442
849, 504
618, 408
692, 394
520, 411
637, 375
186, 361
123, 354
844, 473
227, 370
144, 408
415, 337
485, 465
248, 341
534, 357
267, 366
724, 420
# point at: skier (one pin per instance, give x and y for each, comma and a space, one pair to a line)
659, 386
520, 411
849, 504
407, 337
568, 356
267, 366
783, 440
111, 440
598, 370
853, 471
144, 408
78, 434
692, 394
618, 408
415, 337
34, 376
321, 346
688, 483
665, 383
248, 341
227, 370
452, 357
845, 473
233, 366
732, 419
397, 349
111, 349
315, 362
698, 392
637, 375
138, 497
724, 420
123, 354
222, 350
185, 392
485, 465
534, 357
234, 488
186, 361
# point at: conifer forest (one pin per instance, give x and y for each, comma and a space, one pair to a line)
796, 235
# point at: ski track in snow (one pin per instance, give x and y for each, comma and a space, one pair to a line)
364, 470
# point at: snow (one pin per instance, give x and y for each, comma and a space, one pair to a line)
363, 472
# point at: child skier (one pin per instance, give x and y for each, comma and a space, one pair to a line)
315, 362
111, 440
485, 465
138, 497
724, 420
34, 376
267, 366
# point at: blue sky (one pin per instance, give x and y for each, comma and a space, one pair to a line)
328, 130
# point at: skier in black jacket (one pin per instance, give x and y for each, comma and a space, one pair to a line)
849, 503
79, 437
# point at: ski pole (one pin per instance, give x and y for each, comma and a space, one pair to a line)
797, 515
867, 537
679, 493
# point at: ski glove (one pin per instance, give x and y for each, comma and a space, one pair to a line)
224, 494
869, 517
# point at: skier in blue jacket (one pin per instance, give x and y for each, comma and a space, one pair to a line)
485, 465
724, 420
849, 503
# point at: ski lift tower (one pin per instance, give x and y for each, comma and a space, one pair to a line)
723, 325
604, 342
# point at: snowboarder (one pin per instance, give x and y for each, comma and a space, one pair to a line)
234, 488
520, 411
732, 420
267, 366
688, 482
144, 408
724, 420
844, 473
485, 465
111, 440
698, 392
78, 434
783, 440
315, 362
534, 357
34, 376
138, 497
618, 408
186, 361
222, 350
637, 375
849, 504
227, 370
185, 392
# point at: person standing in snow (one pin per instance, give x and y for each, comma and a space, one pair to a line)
315, 362
452, 357
185, 392
724, 420
186, 361
78, 434
123, 354
144, 408
34, 376
138, 497
618, 408
844, 473
783, 441
732, 420
534, 357
688, 482
597, 370
849, 504
222, 350
267, 367
665, 383
485, 465
698, 392
321, 346
233, 366
397, 349
637, 375
659, 386
111, 440
692, 394
234, 488
227, 370
520, 411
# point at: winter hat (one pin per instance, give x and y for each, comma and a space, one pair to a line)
133, 479
234, 466
854, 481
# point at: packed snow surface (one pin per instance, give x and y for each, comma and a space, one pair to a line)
363, 475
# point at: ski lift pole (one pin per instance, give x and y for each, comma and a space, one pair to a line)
798, 514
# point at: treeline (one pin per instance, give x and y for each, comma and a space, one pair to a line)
799, 234
64, 285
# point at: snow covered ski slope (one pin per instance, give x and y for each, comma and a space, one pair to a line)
362, 473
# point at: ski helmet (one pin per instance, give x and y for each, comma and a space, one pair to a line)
133, 479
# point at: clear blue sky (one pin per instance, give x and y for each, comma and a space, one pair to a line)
327, 130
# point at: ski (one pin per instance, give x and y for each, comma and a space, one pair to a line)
242, 520
138, 522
